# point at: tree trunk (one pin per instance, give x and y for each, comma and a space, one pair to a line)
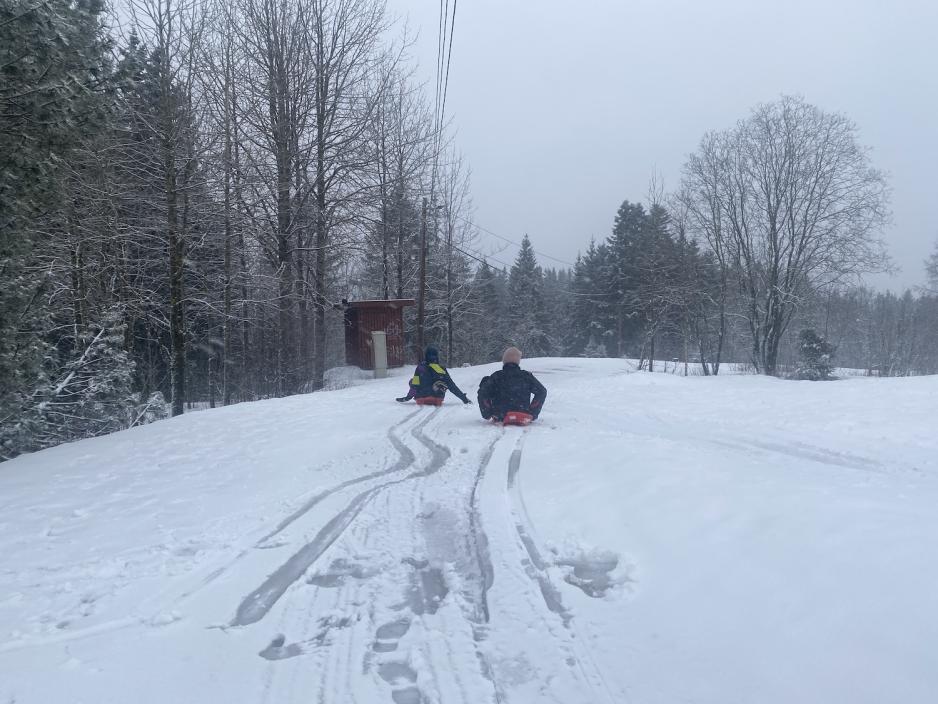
400, 244
78, 276
176, 302
278, 118
422, 283
176, 259
686, 349
322, 242
226, 349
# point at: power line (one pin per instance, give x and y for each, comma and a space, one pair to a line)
449, 57
441, 33
443, 52
514, 242
485, 260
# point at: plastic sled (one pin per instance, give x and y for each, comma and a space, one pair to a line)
517, 418
429, 401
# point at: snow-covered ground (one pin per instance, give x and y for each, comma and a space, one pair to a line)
653, 538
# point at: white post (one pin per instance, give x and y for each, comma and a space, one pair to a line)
379, 344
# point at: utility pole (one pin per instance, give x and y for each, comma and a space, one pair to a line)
422, 286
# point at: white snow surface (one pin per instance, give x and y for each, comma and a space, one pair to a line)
652, 538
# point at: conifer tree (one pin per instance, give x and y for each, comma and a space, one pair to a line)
526, 313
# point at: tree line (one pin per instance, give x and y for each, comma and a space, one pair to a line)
185, 203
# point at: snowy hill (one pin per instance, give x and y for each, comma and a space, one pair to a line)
651, 539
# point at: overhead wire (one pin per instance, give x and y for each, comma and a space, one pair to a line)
449, 57
443, 52
445, 49
514, 242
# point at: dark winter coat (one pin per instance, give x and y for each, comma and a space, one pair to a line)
433, 379
511, 389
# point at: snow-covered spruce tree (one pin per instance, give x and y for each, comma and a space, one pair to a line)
90, 395
55, 67
629, 249
557, 306
527, 321
593, 310
487, 324
816, 356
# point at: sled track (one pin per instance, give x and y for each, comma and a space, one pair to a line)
537, 569
480, 548
406, 459
440, 536
477, 536
427, 528
258, 603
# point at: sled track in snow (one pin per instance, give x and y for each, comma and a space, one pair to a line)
480, 541
433, 532
480, 548
405, 460
258, 603
537, 569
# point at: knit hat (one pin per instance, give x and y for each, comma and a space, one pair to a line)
511, 356
432, 355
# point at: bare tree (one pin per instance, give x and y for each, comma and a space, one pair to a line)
402, 134
790, 203
345, 54
173, 30
450, 283
702, 202
277, 80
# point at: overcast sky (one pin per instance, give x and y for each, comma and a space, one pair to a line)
565, 108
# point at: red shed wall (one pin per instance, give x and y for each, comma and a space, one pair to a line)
360, 321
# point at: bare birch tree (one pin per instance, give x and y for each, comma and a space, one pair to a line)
791, 203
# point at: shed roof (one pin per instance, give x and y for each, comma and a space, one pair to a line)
381, 303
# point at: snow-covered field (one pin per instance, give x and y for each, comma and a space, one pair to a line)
652, 539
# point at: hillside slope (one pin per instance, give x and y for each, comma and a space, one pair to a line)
651, 539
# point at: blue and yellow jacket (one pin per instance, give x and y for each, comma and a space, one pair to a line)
432, 379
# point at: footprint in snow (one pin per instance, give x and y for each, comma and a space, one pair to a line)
402, 679
389, 635
340, 571
427, 590
278, 650
594, 572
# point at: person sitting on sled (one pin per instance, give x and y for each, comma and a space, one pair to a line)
430, 382
505, 396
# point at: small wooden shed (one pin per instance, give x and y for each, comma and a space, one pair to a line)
364, 317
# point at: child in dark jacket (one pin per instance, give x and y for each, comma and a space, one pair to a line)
430, 382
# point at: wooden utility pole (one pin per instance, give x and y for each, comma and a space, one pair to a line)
422, 286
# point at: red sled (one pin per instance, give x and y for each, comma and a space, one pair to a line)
517, 418
429, 401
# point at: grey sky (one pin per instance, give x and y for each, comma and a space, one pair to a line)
564, 108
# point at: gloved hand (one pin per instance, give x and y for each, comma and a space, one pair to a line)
402, 399
466, 401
